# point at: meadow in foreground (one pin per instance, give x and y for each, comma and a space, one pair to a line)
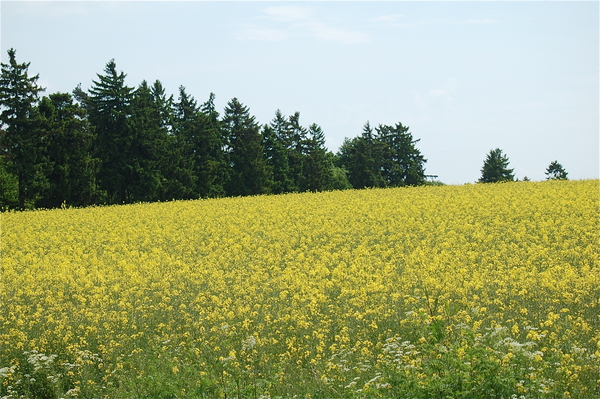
475, 291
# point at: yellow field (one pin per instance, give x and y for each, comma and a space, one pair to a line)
457, 291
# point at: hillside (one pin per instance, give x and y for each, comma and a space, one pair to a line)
487, 290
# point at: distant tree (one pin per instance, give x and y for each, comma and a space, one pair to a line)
109, 108
177, 176
318, 166
9, 184
186, 131
555, 171
295, 144
276, 160
149, 138
22, 141
72, 176
339, 175
495, 168
362, 158
402, 162
249, 171
277, 145
210, 165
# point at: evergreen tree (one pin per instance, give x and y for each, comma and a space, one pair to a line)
186, 126
177, 180
273, 152
23, 142
148, 141
202, 136
210, 165
295, 144
403, 164
70, 138
362, 158
495, 168
277, 144
9, 185
318, 168
109, 107
249, 172
555, 171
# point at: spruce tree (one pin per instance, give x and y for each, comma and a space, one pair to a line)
318, 168
403, 164
362, 158
22, 142
211, 167
109, 107
186, 131
148, 138
177, 180
555, 171
277, 143
296, 152
249, 172
495, 168
70, 138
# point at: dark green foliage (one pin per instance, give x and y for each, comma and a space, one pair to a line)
177, 176
211, 167
555, 171
148, 133
362, 157
388, 158
72, 173
245, 151
495, 168
294, 141
116, 144
109, 107
276, 145
403, 164
23, 143
318, 165
9, 185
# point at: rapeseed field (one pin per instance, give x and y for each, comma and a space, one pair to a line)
474, 291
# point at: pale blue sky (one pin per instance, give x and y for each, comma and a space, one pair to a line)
466, 77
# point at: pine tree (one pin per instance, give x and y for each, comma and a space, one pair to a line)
149, 138
109, 107
555, 171
403, 164
23, 142
318, 168
495, 168
276, 144
249, 172
296, 152
362, 158
70, 139
211, 166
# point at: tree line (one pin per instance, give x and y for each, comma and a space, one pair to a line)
115, 144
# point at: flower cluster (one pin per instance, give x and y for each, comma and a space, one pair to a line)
464, 291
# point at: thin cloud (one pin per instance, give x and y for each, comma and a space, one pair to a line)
326, 32
399, 21
262, 34
297, 22
287, 13
479, 21
387, 18
435, 96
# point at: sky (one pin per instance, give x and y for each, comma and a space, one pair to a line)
465, 77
